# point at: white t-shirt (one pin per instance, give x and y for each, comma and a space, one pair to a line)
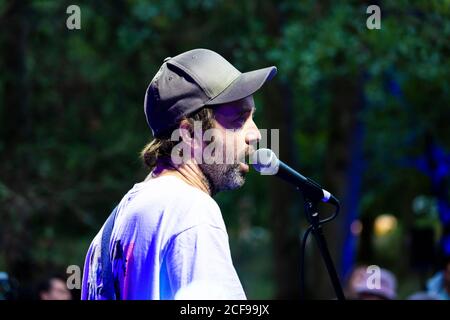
169, 241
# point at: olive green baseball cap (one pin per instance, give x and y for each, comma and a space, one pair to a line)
193, 80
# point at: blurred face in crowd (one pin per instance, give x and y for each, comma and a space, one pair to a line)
357, 275
57, 291
235, 136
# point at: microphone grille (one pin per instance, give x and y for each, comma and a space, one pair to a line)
265, 161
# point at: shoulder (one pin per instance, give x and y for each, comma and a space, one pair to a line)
175, 202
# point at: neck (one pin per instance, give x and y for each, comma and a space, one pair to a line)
189, 172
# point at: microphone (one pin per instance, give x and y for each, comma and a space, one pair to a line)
266, 162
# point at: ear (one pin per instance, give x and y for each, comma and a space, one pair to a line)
186, 132
191, 134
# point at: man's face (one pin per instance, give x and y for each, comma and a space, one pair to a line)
235, 136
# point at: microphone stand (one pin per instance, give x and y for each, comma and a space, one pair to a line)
315, 227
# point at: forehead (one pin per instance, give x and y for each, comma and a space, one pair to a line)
239, 106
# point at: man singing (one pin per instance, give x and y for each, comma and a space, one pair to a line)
166, 238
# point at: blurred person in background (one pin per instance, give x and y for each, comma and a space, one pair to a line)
355, 277
5, 286
363, 286
53, 288
422, 295
439, 284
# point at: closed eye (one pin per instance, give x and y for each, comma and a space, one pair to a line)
242, 117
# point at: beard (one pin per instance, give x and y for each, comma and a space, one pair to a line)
222, 177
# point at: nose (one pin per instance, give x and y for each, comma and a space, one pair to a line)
252, 135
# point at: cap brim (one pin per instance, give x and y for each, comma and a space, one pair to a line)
246, 84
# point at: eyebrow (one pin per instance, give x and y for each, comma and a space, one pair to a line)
243, 109
249, 108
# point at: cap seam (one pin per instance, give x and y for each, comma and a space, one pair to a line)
192, 75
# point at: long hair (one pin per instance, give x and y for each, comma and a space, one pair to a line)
159, 149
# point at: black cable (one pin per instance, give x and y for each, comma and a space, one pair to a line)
338, 207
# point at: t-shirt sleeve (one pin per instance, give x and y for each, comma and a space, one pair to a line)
199, 265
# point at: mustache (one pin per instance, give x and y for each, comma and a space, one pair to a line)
245, 156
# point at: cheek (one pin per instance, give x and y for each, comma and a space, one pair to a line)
236, 143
